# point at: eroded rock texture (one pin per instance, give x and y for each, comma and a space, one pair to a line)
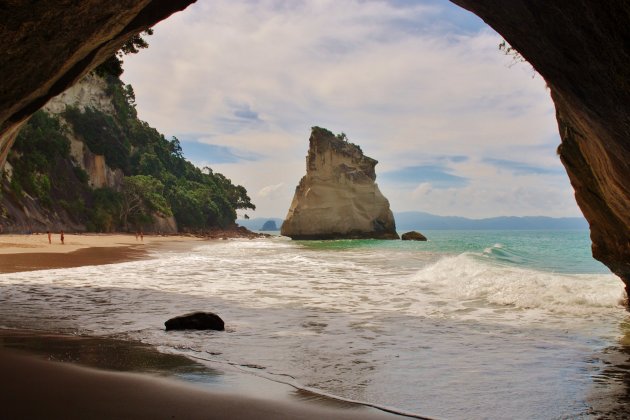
48, 45
582, 49
338, 198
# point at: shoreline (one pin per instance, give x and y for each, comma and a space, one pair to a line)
51, 375
48, 375
32, 252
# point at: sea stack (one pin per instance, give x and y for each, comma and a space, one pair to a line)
338, 198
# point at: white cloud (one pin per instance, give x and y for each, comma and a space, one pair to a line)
270, 190
257, 75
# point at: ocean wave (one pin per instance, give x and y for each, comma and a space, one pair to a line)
470, 278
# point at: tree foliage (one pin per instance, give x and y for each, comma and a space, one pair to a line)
113, 65
101, 134
158, 179
141, 197
40, 145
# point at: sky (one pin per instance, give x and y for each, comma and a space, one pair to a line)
458, 128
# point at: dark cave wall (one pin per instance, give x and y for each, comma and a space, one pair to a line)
582, 50
48, 45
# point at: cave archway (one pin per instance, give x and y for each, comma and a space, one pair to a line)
580, 48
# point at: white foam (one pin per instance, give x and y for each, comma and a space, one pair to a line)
280, 274
465, 278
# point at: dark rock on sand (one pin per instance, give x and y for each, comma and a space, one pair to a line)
413, 236
196, 321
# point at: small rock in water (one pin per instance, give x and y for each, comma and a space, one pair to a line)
413, 236
196, 321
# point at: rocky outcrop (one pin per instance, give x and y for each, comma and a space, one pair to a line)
196, 321
269, 225
89, 92
338, 197
582, 51
162, 225
413, 236
48, 46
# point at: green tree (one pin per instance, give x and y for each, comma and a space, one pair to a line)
39, 146
113, 65
101, 134
141, 196
106, 210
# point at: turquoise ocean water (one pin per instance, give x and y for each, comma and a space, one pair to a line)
470, 324
562, 251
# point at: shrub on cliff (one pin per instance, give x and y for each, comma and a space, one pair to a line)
158, 179
37, 149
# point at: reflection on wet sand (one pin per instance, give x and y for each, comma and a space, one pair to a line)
610, 398
104, 353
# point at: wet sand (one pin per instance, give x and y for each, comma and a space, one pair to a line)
53, 376
38, 382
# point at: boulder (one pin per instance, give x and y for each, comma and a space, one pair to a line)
196, 321
413, 236
338, 197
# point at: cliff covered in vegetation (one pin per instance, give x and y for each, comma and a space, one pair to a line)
85, 162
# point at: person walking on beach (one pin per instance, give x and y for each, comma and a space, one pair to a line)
141, 236
137, 233
62, 238
49, 237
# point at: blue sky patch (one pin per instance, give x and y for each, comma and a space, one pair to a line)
520, 168
449, 17
212, 153
245, 112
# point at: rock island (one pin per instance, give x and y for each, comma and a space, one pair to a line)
338, 197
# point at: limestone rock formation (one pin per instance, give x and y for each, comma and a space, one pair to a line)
338, 197
89, 92
47, 46
413, 236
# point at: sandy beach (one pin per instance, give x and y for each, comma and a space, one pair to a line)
33, 252
54, 376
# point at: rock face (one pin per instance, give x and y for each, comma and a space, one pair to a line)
413, 236
26, 213
338, 197
89, 92
47, 46
582, 51
196, 321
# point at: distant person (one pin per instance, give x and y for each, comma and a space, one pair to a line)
49, 237
141, 236
137, 233
62, 238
